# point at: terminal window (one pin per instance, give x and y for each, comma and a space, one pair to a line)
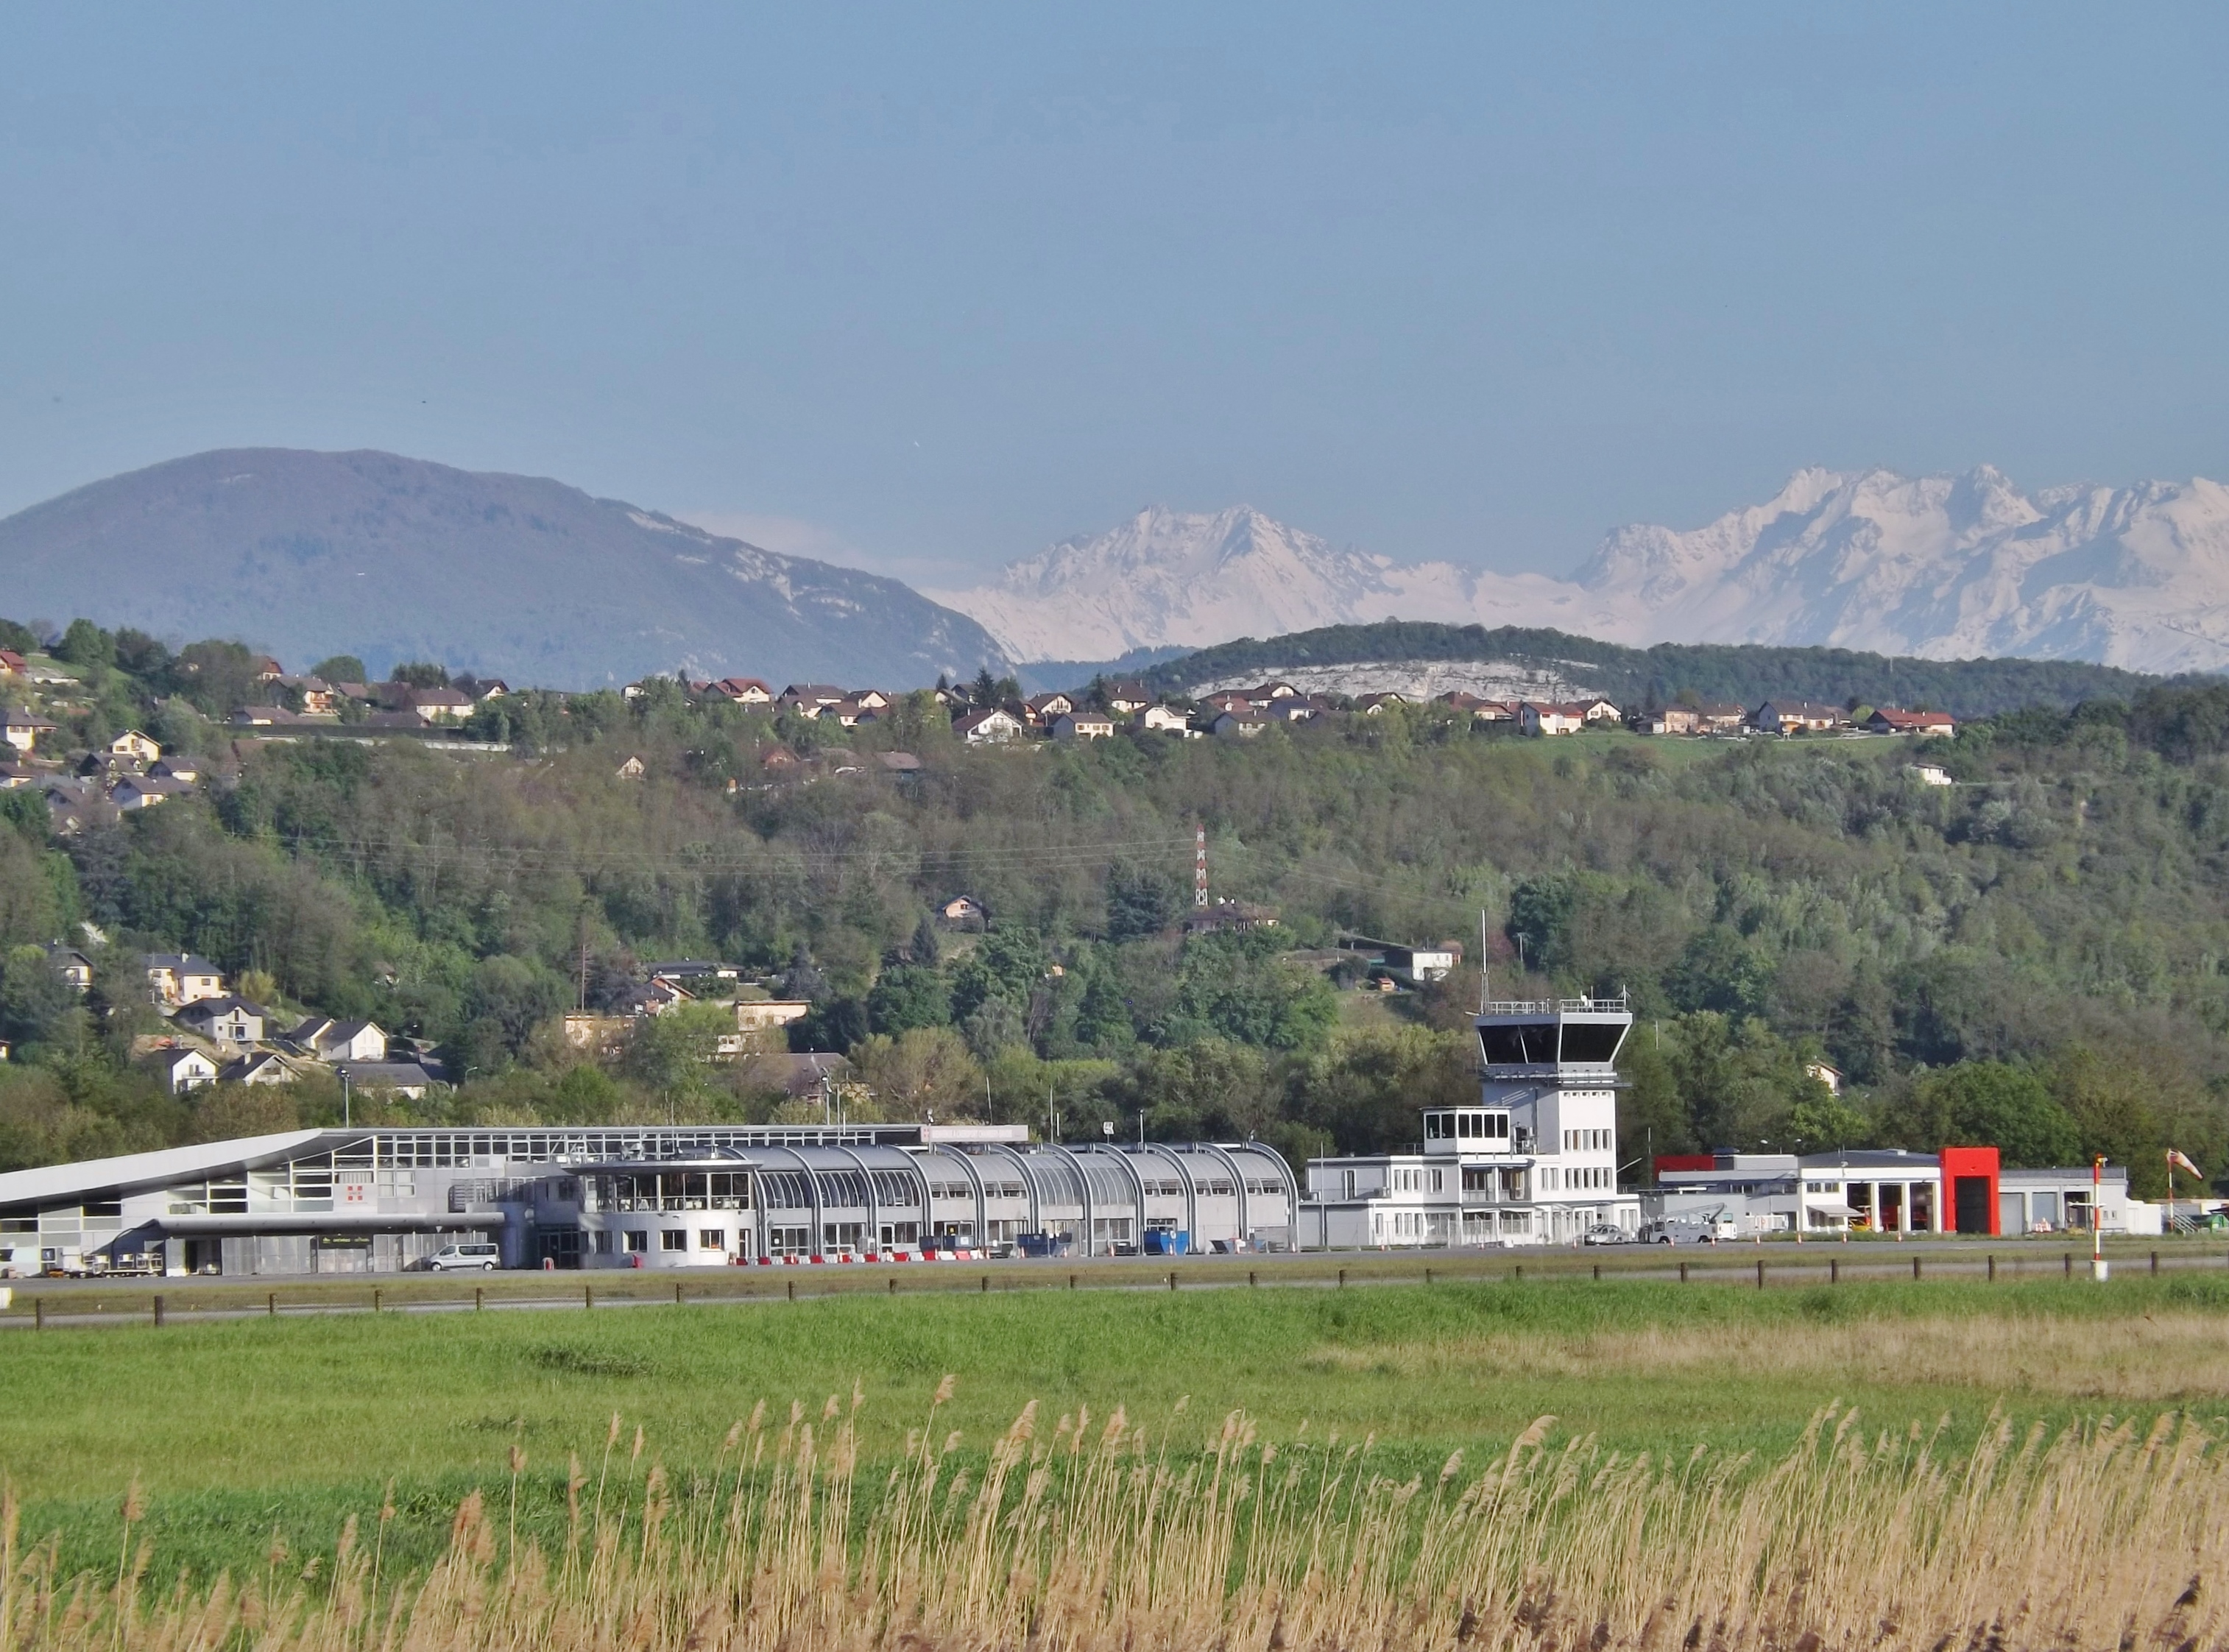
673, 1238
636, 1240
711, 1239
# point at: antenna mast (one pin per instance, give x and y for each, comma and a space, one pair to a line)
1199, 865
1482, 960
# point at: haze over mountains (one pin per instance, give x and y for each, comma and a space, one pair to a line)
1943, 567
311, 554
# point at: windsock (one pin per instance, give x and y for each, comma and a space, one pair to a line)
2174, 1157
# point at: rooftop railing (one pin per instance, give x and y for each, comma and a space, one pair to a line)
1554, 1005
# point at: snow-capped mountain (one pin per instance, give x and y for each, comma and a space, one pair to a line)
1176, 578
1946, 567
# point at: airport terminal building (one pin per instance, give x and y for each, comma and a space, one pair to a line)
374, 1200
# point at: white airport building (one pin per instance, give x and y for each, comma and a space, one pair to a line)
377, 1199
1535, 1162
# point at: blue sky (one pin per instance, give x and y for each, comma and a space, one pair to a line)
924, 288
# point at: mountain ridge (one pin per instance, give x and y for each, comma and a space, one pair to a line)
312, 554
1939, 567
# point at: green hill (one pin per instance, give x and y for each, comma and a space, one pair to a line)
1639, 677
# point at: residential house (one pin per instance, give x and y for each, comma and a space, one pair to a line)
852, 711
962, 912
268, 670
743, 691
181, 977
257, 1067
1229, 914
12, 777
405, 1078
1799, 717
134, 747
433, 705
1126, 698
332, 1041
631, 770
693, 969
1228, 699
224, 1018
995, 727
1597, 710
1372, 705
1929, 774
1546, 717
764, 1014
23, 729
188, 769
1043, 708
182, 1068
278, 717
1236, 725
1927, 724
12, 664
871, 699
1681, 719
1084, 725
316, 696
775, 759
809, 698
1645, 721
1161, 719
1292, 709
488, 688
143, 792
653, 996
1722, 716
1269, 691
1495, 711
71, 964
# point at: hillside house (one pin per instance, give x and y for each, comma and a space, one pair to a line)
329, 1040
1236, 725
1126, 698
1292, 709
12, 664
1600, 712
134, 747
1925, 725
257, 1067
1043, 708
962, 912
188, 769
144, 791
1269, 691
809, 698
765, 1015
436, 705
1228, 699
1371, 705
995, 727
23, 729
71, 964
183, 1070
744, 690
1084, 725
1495, 711
1160, 719
224, 1019
1544, 719
12, 775
177, 977
775, 759
315, 695
1799, 717
1722, 716
1679, 719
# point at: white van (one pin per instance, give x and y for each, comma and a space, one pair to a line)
472, 1253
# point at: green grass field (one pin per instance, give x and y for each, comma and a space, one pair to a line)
237, 1429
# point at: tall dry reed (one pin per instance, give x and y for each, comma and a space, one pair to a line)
1091, 1533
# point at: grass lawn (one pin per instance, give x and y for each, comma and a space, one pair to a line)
237, 1428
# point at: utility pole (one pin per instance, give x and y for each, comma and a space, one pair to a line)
1199, 865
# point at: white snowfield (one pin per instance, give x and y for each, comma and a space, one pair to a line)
1944, 567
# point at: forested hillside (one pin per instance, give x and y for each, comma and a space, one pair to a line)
1658, 675
2033, 955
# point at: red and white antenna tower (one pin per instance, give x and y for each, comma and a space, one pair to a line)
1200, 866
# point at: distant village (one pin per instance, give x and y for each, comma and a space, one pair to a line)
213, 1034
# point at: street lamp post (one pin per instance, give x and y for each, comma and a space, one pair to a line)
345, 1117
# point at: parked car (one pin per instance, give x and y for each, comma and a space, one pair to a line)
472, 1253
1605, 1233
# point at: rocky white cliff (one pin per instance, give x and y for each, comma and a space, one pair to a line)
1947, 567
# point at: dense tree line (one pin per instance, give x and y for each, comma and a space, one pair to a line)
2033, 955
